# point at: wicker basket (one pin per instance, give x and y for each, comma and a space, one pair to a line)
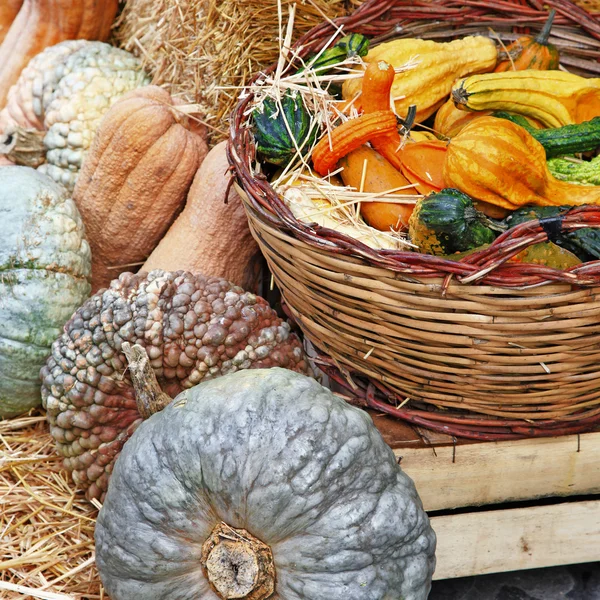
479, 348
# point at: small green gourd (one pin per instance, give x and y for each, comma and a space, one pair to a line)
586, 172
281, 130
446, 222
354, 44
584, 243
559, 141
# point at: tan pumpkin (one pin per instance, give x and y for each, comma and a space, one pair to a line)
43, 23
8, 11
211, 236
135, 179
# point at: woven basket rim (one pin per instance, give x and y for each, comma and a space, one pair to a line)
490, 266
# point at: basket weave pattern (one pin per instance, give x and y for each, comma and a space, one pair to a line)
480, 348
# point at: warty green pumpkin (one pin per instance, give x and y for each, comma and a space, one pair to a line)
261, 485
194, 327
45, 267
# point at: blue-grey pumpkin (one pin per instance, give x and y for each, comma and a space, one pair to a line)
45, 266
262, 484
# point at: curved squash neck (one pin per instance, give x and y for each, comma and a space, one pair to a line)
564, 192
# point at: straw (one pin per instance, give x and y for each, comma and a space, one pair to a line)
46, 526
205, 51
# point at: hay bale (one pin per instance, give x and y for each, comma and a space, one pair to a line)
205, 51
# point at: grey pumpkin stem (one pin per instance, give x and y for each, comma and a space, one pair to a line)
149, 397
24, 147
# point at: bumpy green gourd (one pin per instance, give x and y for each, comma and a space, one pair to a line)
45, 265
586, 172
446, 222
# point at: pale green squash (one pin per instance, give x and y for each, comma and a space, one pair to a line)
45, 266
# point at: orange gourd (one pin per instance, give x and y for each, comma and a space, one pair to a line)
449, 119
43, 23
528, 52
379, 176
350, 135
497, 161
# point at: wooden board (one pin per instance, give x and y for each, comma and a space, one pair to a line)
496, 472
476, 543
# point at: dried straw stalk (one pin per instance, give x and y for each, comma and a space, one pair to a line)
46, 527
205, 51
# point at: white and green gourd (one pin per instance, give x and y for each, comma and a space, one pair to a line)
54, 109
45, 268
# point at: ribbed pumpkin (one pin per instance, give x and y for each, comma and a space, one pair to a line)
135, 180
66, 90
43, 23
8, 12
45, 265
528, 52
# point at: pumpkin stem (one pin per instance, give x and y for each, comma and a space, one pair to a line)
149, 397
542, 36
238, 565
23, 147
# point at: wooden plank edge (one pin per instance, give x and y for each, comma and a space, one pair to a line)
516, 539
449, 477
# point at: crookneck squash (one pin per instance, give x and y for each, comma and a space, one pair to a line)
262, 485
511, 168
45, 265
69, 90
194, 328
555, 98
135, 180
43, 23
437, 65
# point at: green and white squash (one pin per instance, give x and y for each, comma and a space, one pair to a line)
261, 484
45, 265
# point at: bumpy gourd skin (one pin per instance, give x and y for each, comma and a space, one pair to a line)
277, 454
193, 328
91, 80
65, 91
45, 267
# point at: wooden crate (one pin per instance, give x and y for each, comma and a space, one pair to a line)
553, 517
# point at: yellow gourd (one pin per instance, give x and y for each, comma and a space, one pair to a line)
431, 68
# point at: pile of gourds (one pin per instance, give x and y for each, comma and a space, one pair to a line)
480, 132
255, 482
